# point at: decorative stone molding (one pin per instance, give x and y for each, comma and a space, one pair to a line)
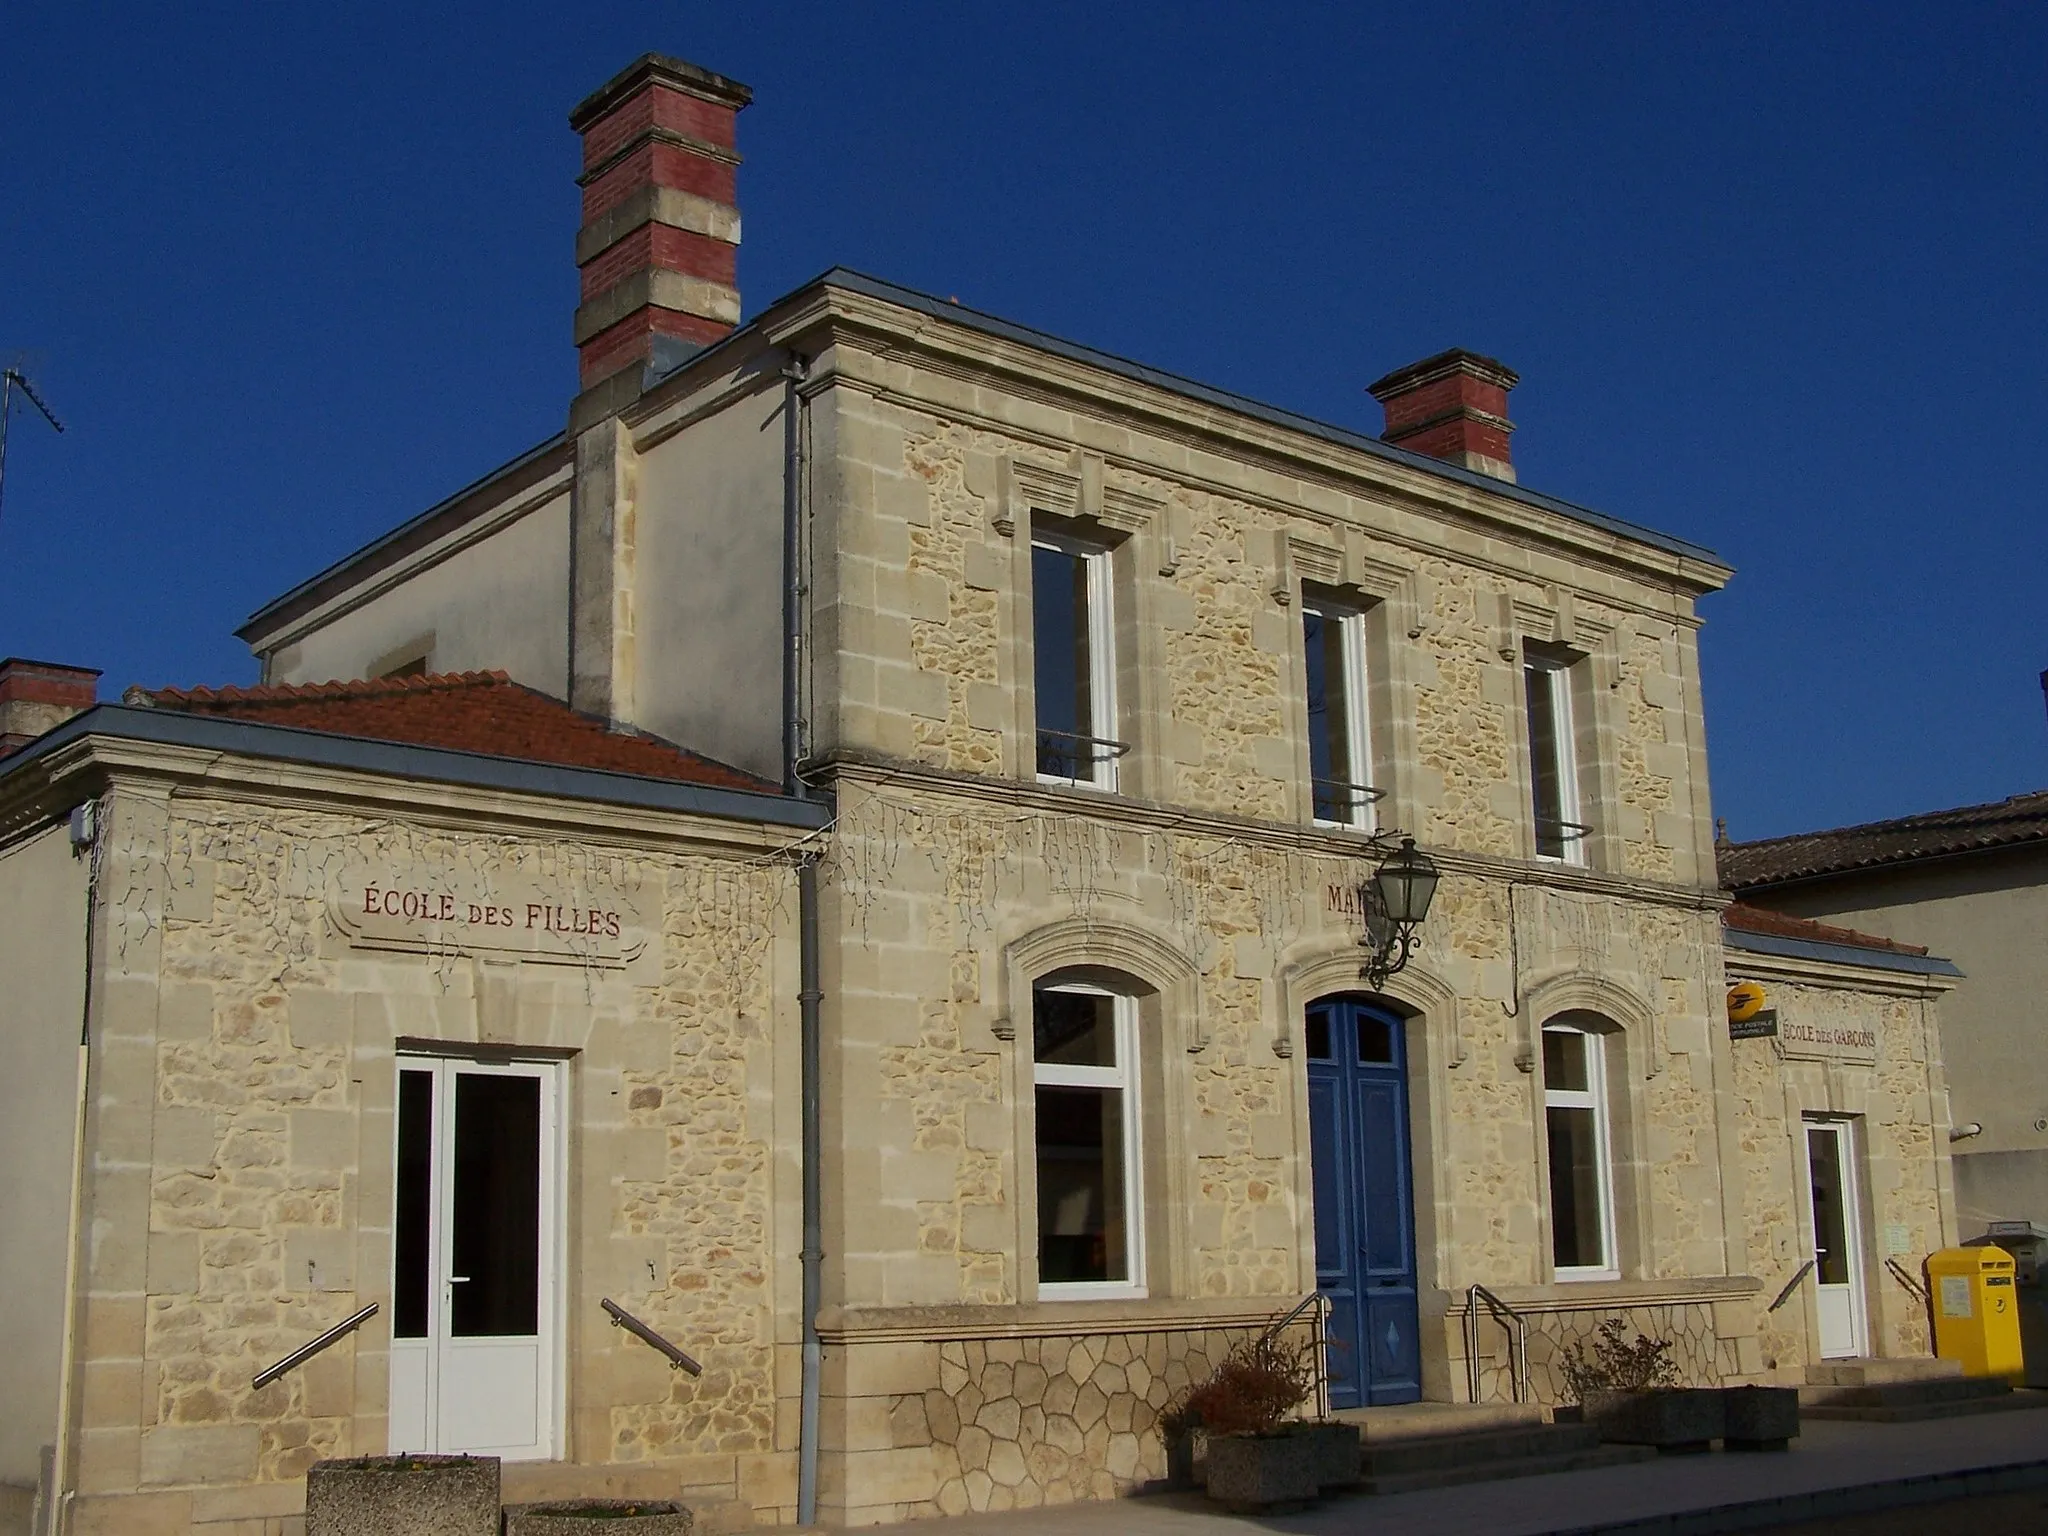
1106, 944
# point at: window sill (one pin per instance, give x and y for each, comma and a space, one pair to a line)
1566, 1295
1062, 782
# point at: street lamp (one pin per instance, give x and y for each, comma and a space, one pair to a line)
1397, 899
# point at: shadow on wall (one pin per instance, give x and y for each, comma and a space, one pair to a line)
2000, 1186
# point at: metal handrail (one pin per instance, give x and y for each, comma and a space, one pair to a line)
677, 1360
1321, 1303
1792, 1285
1901, 1274
1115, 749
1517, 1328
306, 1352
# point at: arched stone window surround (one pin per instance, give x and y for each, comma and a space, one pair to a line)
1168, 988
1329, 968
1624, 1020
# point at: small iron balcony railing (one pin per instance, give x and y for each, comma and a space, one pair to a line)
1070, 755
1339, 801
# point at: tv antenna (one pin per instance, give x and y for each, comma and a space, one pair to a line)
12, 379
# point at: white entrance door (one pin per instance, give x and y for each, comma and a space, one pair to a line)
475, 1244
1837, 1238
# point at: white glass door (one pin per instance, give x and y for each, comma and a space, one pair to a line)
1837, 1239
475, 1248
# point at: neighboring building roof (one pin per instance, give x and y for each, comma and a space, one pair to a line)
1759, 920
481, 712
483, 493
1775, 933
1934, 834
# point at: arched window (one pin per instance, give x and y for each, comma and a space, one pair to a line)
1085, 1089
1579, 1136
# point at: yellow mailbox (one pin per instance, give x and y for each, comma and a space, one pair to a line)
1976, 1312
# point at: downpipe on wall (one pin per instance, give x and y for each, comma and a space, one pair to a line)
809, 993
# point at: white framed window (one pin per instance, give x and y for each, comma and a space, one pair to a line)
1085, 1104
1074, 663
1581, 1165
1339, 731
1553, 762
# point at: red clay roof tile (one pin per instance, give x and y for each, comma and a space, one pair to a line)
1750, 919
483, 712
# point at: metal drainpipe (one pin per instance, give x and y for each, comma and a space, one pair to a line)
808, 997
54, 1517
793, 373
809, 994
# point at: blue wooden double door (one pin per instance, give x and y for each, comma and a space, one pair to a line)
1365, 1215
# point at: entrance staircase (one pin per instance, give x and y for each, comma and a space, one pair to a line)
1438, 1445
1896, 1391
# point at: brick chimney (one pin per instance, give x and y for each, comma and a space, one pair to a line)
661, 226
1454, 407
39, 696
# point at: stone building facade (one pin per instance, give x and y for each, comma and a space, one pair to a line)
1050, 649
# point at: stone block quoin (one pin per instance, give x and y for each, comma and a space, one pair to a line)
657, 253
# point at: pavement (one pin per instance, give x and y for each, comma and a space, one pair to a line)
1833, 1469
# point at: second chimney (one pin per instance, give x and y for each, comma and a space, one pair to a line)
658, 250
39, 696
1453, 407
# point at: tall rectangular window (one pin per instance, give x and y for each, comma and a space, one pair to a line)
1553, 764
1339, 743
1581, 1185
1074, 663
1085, 1091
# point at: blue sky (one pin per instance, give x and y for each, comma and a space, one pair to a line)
1773, 276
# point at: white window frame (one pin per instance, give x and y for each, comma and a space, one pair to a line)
1124, 1078
1358, 727
1557, 675
1593, 1097
1102, 774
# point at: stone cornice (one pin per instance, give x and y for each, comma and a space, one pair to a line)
914, 341
872, 771
82, 769
1607, 1295
1045, 1319
1839, 976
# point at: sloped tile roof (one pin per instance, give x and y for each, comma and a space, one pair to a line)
1770, 861
482, 712
1747, 919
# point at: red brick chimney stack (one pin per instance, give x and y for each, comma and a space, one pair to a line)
39, 696
1454, 407
661, 225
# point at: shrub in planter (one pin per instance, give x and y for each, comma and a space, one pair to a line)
1628, 1389
1759, 1418
403, 1496
1257, 1458
599, 1517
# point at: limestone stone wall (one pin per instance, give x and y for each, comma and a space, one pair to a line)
1900, 1118
1712, 1344
243, 1133
926, 615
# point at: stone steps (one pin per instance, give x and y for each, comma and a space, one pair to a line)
1910, 1403
1523, 1449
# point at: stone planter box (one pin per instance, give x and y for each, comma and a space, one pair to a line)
599, 1517
403, 1496
1676, 1420
1759, 1418
1263, 1474
1337, 1458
